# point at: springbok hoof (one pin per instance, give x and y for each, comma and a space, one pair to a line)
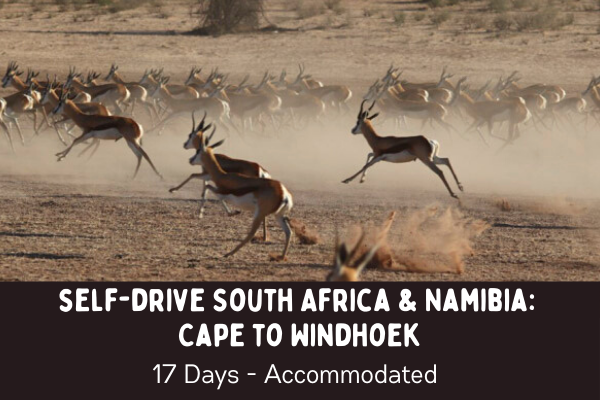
172, 190
461, 187
234, 213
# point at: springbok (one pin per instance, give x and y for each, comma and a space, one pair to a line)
50, 99
113, 94
344, 269
417, 109
399, 150
105, 128
512, 109
332, 95
139, 94
216, 108
18, 104
231, 165
592, 89
263, 196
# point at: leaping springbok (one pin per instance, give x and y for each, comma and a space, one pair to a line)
399, 149
104, 127
262, 196
230, 165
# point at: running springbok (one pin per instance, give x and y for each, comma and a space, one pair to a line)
399, 149
263, 196
230, 165
106, 127
344, 270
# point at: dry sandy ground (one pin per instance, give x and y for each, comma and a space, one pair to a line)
86, 220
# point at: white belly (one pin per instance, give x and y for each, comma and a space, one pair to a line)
245, 202
401, 157
106, 134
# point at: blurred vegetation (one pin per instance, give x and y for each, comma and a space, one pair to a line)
229, 16
216, 17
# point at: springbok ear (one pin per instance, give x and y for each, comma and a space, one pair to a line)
341, 256
373, 116
220, 142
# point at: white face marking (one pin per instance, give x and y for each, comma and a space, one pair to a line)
356, 129
188, 144
196, 160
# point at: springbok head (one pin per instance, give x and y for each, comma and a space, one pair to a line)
71, 77
194, 76
348, 264
12, 70
593, 83
363, 116
444, 77
197, 135
113, 69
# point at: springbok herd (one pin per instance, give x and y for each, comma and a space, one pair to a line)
107, 111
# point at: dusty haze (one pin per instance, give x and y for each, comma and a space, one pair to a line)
80, 219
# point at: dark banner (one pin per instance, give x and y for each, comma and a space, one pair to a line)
164, 340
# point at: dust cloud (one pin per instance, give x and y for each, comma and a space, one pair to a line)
557, 168
432, 239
